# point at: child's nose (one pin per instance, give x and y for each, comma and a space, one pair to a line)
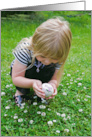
47, 61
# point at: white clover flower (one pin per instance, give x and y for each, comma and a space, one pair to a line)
68, 75
34, 103
88, 96
42, 107
11, 85
80, 110
8, 100
57, 131
23, 104
75, 81
5, 115
83, 73
50, 123
20, 120
7, 107
54, 121
85, 88
58, 114
15, 117
35, 97
22, 124
31, 121
64, 119
63, 115
78, 78
2, 93
22, 107
7, 86
85, 99
71, 82
67, 84
68, 117
43, 100
79, 84
10, 89
66, 130
38, 112
25, 111
43, 114
78, 99
73, 124
61, 85
49, 109
71, 79
64, 93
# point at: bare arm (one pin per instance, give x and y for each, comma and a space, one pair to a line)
57, 76
18, 76
19, 80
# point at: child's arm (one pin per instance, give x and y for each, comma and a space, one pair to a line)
57, 76
56, 80
19, 80
18, 73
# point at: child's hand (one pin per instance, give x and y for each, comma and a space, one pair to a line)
37, 86
55, 91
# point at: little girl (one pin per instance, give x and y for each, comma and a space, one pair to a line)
41, 58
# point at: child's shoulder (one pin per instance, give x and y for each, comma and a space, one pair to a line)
25, 48
25, 44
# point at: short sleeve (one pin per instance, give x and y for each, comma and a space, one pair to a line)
57, 65
23, 55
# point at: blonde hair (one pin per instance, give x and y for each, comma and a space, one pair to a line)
51, 39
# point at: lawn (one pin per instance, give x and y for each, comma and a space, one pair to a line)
69, 113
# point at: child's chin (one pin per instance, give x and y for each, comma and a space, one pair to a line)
45, 63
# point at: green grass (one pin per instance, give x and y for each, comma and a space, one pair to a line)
78, 65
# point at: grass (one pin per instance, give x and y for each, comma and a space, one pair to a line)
71, 107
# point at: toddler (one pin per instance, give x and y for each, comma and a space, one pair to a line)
41, 58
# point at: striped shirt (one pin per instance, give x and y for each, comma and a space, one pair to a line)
24, 56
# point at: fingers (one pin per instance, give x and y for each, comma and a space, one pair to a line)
39, 94
55, 92
37, 88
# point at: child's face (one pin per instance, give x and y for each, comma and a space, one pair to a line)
45, 60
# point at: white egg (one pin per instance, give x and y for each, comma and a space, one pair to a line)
48, 89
